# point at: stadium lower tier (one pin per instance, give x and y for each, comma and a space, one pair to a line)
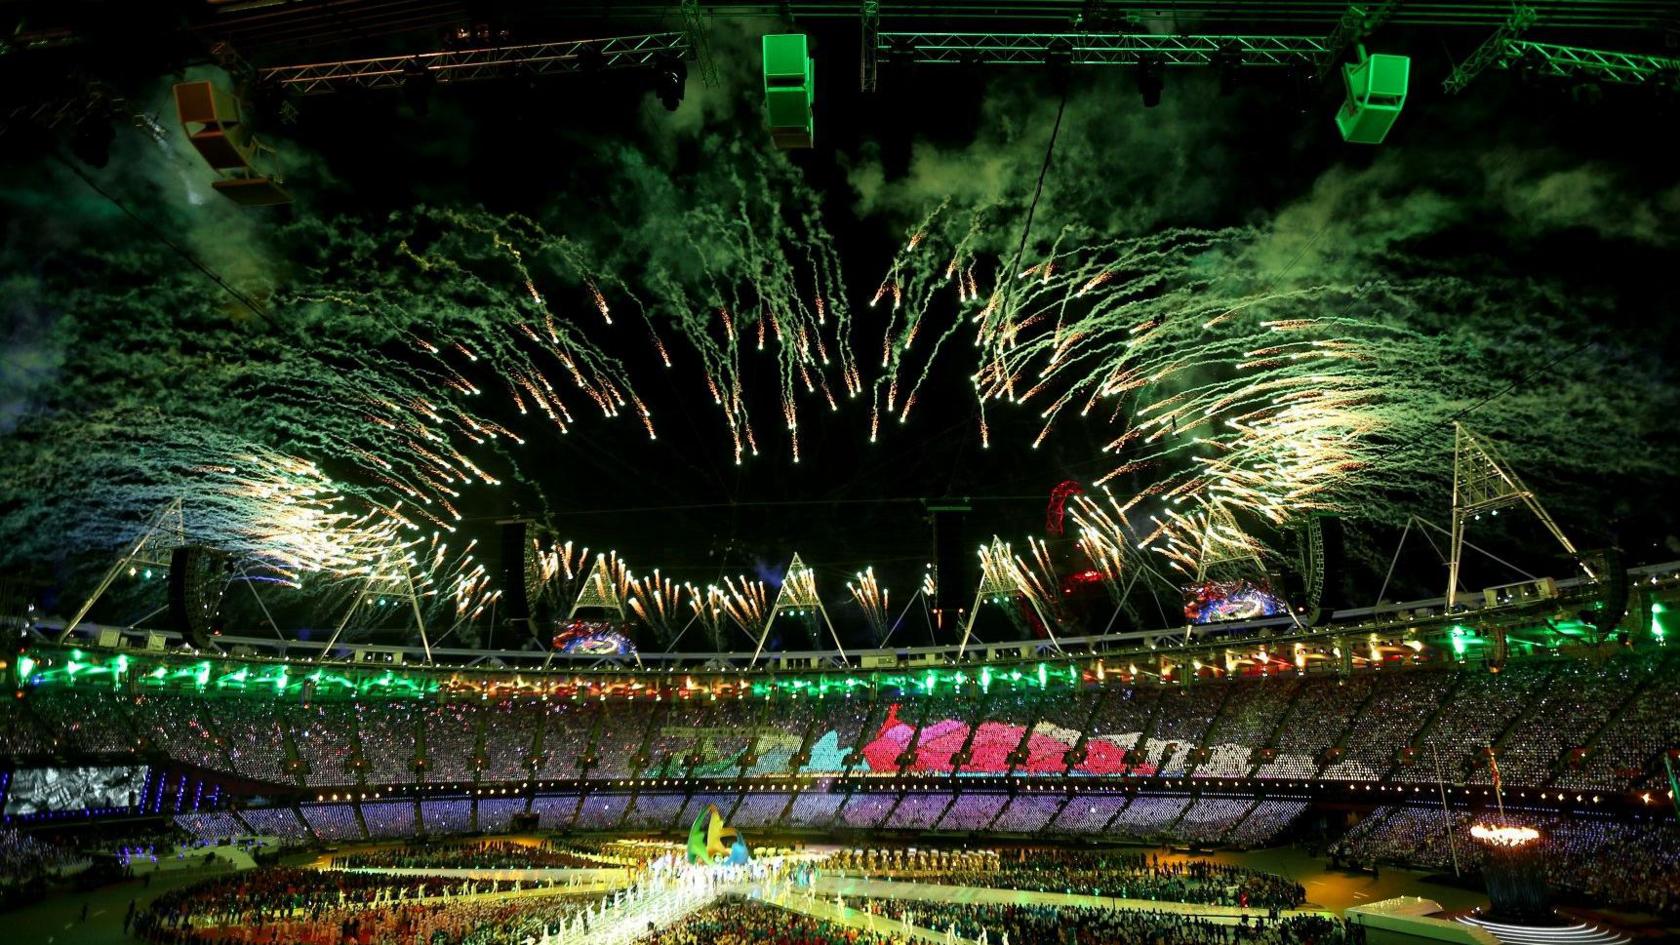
1563, 724
1631, 860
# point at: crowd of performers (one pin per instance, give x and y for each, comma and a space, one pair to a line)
280, 905
1118, 875
286, 905
1022, 924
489, 854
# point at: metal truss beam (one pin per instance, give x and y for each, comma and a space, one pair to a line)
1356, 23
870, 12
1101, 49
1602, 65
1489, 51
492, 62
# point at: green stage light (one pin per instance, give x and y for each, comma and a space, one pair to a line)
1376, 91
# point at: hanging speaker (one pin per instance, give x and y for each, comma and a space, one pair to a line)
956, 569
1611, 570
198, 577
516, 601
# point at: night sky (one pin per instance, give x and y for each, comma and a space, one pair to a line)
1524, 237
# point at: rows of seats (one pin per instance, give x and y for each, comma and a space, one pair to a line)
332, 822
1144, 817
1479, 709
1386, 724
1622, 861
1265, 823
1572, 724
1314, 725
445, 816
281, 822
213, 826
972, 811
1245, 723
760, 810
1647, 723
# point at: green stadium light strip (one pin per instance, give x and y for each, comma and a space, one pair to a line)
54, 667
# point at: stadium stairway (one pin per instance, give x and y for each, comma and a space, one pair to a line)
1580, 933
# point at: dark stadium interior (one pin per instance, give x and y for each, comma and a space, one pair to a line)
1043, 471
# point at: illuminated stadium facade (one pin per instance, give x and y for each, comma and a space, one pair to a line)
1051, 471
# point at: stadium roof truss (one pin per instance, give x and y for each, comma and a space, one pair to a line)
467, 65
1099, 49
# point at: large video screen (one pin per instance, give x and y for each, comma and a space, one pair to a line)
1214, 601
40, 790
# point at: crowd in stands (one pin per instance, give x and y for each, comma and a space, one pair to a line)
495, 814
332, 822
1078, 925
1245, 724
1481, 706
1182, 720
213, 826
564, 725
700, 801
760, 809
389, 818
24, 859
280, 822
617, 744
1565, 723
1397, 708
813, 809
1028, 813
388, 733
1236, 821
1314, 724
1646, 723
1148, 816
919, 810
445, 816
1208, 820
1264, 823
654, 811
1616, 861
972, 811
867, 809
325, 736
1088, 814
255, 739
1583, 693
450, 730
597, 812
744, 922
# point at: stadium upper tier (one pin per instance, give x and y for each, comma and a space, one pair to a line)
1596, 724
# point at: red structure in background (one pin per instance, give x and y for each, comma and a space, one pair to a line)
1056, 511
989, 752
